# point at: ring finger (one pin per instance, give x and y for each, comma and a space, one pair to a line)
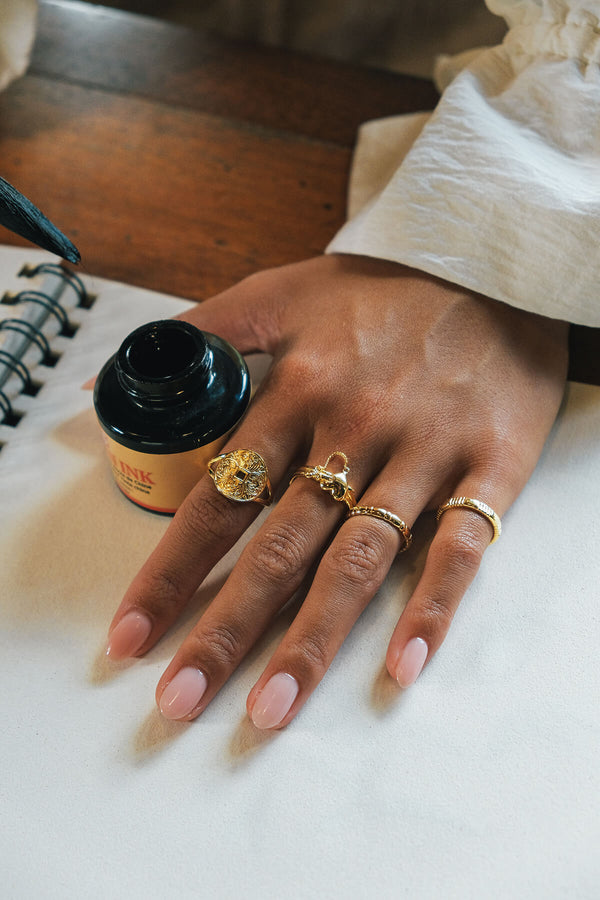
349, 575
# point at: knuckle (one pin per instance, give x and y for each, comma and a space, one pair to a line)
164, 592
278, 553
208, 515
314, 654
461, 550
222, 643
358, 559
436, 614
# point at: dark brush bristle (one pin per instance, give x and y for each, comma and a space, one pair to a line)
19, 214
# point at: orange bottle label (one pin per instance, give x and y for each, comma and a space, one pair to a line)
159, 481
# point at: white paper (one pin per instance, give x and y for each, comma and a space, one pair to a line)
482, 780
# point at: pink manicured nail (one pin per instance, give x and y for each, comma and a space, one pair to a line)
183, 693
411, 662
128, 636
275, 700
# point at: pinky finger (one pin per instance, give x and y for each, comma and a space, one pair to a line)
452, 562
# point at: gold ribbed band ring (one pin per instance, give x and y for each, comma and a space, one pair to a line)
477, 506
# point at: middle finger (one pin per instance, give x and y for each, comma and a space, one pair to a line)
270, 570
350, 573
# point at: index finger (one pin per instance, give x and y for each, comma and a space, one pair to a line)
204, 528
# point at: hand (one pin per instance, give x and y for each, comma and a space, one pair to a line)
430, 390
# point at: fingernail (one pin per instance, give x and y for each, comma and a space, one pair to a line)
275, 700
411, 662
183, 693
128, 636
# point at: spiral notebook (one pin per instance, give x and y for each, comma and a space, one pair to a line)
482, 780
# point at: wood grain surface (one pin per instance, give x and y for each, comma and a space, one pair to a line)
181, 161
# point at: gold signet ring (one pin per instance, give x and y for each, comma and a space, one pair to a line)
477, 506
241, 475
334, 483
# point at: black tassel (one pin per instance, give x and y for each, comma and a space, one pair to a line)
18, 214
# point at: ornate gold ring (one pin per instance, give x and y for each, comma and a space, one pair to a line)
241, 475
386, 516
334, 483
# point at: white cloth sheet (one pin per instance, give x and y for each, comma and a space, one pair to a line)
500, 191
482, 780
17, 31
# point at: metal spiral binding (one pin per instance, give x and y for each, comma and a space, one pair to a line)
85, 299
20, 369
35, 335
28, 329
5, 407
51, 305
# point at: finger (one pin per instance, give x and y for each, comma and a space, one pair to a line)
349, 575
269, 571
452, 562
245, 314
204, 528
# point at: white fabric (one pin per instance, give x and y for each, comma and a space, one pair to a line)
480, 781
501, 190
17, 31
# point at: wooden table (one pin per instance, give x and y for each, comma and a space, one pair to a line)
183, 162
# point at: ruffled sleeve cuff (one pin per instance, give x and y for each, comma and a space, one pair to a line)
499, 189
17, 31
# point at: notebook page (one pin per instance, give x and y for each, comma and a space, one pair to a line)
480, 781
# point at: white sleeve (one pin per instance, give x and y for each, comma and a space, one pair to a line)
499, 189
17, 31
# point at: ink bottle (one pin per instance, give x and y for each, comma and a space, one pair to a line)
166, 402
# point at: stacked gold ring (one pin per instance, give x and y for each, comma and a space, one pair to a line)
336, 484
378, 513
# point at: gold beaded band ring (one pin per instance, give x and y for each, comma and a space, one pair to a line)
241, 475
377, 513
334, 483
476, 506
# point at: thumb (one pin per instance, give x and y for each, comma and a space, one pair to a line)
233, 315
239, 315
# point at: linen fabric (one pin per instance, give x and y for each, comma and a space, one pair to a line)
499, 188
17, 31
